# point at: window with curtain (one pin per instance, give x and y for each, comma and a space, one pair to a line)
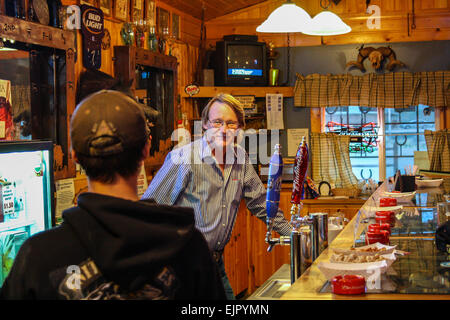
401, 130
363, 147
404, 104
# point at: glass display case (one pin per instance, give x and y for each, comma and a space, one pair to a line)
26, 197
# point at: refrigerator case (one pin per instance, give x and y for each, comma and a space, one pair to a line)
26, 195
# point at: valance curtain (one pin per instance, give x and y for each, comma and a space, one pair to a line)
331, 160
438, 147
388, 90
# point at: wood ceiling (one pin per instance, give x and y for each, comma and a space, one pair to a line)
213, 8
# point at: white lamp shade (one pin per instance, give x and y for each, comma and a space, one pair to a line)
326, 23
286, 18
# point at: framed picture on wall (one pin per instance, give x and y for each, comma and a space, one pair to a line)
163, 17
106, 7
175, 26
137, 10
121, 10
150, 12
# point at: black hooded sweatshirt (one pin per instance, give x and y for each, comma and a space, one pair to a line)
112, 248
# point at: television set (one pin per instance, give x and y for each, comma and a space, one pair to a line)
240, 63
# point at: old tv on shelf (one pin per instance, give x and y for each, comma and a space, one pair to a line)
240, 63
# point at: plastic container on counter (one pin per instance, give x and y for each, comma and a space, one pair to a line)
388, 202
348, 284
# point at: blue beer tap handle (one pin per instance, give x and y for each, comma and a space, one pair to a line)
274, 183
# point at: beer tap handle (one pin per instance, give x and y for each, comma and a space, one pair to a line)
273, 193
274, 183
300, 168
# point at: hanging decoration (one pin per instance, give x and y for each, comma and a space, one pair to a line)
106, 40
362, 138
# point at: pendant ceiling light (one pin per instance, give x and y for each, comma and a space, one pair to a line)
326, 23
286, 18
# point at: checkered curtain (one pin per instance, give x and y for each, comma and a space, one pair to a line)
438, 147
331, 160
388, 90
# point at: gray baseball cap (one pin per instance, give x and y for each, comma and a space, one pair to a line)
107, 122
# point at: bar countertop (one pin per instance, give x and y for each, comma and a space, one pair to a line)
417, 275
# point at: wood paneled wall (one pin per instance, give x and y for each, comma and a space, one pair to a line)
185, 50
431, 19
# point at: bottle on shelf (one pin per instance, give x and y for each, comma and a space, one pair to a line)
54, 7
15, 8
152, 41
31, 14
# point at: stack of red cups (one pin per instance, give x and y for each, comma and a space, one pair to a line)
378, 233
388, 202
385, 217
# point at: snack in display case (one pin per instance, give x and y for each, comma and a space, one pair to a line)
428, 183
26, 195
373, 249
402, 197
366, 270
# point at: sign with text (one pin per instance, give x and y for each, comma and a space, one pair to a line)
92, 29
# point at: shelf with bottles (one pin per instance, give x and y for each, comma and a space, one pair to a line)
47, 13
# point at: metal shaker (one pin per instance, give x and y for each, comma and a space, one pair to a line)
319, 233
301, 251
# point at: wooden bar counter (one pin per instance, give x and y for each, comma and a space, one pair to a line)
418, 238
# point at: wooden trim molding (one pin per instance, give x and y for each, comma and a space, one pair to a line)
260, 92
35, 33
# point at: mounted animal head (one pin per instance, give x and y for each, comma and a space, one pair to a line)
376, 57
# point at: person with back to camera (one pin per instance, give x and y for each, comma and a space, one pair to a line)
212, 175
113, 245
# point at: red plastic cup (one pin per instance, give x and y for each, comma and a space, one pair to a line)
348, 284
385, 217
386, 226
385, 234
374, 237
389, 214
388, 202
374, 227
383, 220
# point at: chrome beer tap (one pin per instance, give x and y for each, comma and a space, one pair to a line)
298, 253
307, 237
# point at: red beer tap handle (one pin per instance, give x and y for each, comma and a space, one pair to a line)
300, 168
